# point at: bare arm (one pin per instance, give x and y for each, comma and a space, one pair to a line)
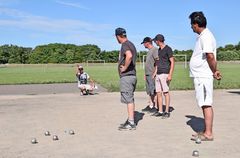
171, 68
155, 72
128, 60
155, 68
213, 65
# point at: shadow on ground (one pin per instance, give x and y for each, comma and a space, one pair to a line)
170, 108
196, 123
234, 92
138, 116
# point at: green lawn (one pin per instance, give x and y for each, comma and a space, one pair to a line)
107, 75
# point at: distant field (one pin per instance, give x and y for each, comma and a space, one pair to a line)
107, 75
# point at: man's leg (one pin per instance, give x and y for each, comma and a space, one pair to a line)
159, 98
152, 97
208, 119
127, 87
204, 93
167, 101
131, 109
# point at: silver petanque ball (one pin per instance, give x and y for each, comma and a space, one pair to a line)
47, 133
198, 141
71, 132
55, 137
34, 141
195, 153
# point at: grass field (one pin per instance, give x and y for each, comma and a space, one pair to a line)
107, 75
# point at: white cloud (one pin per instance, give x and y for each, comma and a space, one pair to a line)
24, 20
44, 29
76, 5
8, 2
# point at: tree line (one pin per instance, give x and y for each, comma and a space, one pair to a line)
70, 53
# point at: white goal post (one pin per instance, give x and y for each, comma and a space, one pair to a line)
95, 62
143, 61
185, 59
184, 55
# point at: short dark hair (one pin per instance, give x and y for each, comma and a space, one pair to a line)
198, 18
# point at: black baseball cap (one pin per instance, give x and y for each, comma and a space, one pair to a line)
120, 31
159, 37
146, 39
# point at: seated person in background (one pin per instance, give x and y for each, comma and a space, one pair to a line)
83, 78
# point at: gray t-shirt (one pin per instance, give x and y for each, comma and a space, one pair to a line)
163, 65
131, 68
152, 55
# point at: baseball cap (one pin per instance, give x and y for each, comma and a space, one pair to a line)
146, 39
159, 37
120, 31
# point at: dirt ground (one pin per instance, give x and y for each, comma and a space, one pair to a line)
95, 120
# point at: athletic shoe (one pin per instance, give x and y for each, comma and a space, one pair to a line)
123, 124
153, 110
127, 126
146, 109
157, 114
166, 115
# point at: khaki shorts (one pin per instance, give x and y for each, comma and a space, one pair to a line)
161, 83
204, 91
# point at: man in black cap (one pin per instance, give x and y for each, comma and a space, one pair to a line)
164, 74
127, 73
149, 77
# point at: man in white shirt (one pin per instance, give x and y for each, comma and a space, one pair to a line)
203, 68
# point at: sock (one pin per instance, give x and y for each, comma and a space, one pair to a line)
131, 121
151, 106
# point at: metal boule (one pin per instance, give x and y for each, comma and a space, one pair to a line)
47, 133
55, 137
34, 141
195, 153
198, 141
71, 132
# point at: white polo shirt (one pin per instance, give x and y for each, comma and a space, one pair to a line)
205, 43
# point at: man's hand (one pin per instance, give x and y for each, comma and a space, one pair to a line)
122, 68
217, 75
169, 78
153, 75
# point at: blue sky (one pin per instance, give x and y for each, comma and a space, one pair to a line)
33, 22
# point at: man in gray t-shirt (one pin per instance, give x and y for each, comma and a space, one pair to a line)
128, 79
152, 57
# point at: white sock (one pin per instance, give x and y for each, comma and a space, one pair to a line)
131, 121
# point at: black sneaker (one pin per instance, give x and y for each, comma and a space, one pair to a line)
153, 110
146, 109
166, 115
157, 114
127, 126
123, 124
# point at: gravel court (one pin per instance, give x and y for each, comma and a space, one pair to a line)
95, 119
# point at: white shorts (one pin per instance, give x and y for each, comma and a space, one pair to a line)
204, 91
85, 86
